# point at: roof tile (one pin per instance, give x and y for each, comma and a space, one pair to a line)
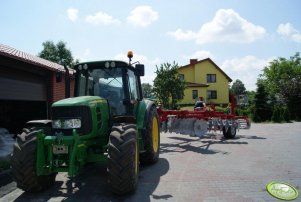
28, 58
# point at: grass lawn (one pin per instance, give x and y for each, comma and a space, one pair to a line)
190, 108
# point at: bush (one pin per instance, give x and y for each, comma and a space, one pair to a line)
280, 114
285, 114
221, 109
276, 114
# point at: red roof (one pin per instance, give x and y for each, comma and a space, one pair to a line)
31, 59
208, 59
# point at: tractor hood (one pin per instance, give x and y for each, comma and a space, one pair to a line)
79, 101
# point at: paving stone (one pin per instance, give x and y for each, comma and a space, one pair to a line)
197, 169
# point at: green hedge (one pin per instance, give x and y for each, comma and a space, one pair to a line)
280, 114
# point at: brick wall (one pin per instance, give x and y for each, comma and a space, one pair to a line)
58, 88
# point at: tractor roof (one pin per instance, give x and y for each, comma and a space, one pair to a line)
103, 62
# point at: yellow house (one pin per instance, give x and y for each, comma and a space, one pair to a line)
204, 79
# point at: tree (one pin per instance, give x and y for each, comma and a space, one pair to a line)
238, 88
262, 106
168, 87
276, 116
146, 90
283, 79
251, 97
57, 53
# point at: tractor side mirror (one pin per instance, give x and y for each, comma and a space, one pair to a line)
139, 69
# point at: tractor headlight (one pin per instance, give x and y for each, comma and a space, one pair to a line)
66, 124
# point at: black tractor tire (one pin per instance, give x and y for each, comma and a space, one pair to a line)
230, 132
151, 139
123, 159
23, 163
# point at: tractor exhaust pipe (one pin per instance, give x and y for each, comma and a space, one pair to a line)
67, 82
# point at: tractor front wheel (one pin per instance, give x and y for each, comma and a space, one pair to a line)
23, 162
151, 138
123, 159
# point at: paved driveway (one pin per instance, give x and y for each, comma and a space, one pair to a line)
195, 169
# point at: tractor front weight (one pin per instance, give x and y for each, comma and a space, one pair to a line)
63, 154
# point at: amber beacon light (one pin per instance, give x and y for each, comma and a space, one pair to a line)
130, 54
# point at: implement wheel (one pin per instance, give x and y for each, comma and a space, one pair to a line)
23, 163
230, 132
151, 139
123, 159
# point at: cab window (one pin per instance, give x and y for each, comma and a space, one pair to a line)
132, 85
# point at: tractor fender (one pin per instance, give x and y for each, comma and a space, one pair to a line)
142, 114
46, 125
149, 105
38, 123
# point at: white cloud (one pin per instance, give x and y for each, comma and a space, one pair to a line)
179, 34
72, 14
101, 18
246, 69
226, 26
142, 16
200, 55
288, 30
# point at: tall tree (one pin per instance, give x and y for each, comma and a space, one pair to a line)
58, 53
262, 104
283, 79
238, 88
251, 96
147, 90
168, 87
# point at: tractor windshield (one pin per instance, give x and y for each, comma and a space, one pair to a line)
105, 83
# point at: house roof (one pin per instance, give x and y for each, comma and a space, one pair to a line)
208, 59
31, 59
190, 84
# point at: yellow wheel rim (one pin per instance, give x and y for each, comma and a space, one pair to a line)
155, 134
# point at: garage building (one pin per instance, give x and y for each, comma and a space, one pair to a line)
28, 87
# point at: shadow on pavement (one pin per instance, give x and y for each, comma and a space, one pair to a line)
250, 137
91, 185
199, 145
149, 179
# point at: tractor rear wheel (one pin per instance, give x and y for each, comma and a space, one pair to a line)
151, 139
123, 159
230, 132
23, 162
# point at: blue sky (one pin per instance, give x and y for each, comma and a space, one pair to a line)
241, 37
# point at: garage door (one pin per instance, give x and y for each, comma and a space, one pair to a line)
21, 85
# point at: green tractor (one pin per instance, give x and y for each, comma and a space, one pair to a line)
106, 121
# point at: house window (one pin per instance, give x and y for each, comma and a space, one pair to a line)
211, 94
194, 94
211, 78
181, 77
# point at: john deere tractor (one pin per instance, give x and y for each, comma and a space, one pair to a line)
106, 121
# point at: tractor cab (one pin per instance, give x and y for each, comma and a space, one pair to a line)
115, 81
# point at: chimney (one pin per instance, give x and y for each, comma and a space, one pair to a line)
193, 61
